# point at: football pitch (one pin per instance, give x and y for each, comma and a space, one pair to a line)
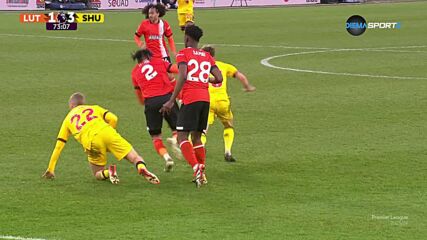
332, 145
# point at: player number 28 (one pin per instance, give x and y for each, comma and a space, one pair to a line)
89, 117
205, 68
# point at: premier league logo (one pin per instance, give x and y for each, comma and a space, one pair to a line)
62, 17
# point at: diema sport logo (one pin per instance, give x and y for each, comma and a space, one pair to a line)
356, 25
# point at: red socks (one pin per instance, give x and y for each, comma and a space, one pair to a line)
188, 152
200, 153
160, 148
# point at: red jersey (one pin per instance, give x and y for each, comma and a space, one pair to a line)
199, 64
152, 78
154, 34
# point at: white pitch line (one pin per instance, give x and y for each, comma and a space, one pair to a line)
216, 44
127, 40
19, 238
266, 63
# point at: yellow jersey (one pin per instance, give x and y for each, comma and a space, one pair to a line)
83, 122
185, 6
219, 91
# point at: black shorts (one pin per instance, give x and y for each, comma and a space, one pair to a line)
153, 116
193, 117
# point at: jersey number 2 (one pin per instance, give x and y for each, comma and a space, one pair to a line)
150, 74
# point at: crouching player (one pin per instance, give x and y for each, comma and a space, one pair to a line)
94, 128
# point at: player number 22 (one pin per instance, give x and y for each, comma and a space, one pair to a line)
205, 68
89, 117
149, 72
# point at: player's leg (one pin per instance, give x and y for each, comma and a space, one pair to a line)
97, 157
121, 148
211, 119
198, 147
134, 158
181, 21
188, 120
226, 117
171, 119
189, 19
154, 120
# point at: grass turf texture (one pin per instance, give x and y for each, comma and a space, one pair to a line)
318, 155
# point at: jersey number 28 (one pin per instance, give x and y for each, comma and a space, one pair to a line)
204, 67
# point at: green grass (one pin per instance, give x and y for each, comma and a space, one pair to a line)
318, 155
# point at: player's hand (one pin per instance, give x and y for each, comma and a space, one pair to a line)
48, 175
250, 88
166, 109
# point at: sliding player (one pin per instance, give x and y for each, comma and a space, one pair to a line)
220, 102
94, 128
185, 13
154, 29
153, 88
194, 68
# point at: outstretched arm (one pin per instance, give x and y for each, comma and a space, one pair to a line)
59, 146
244, 80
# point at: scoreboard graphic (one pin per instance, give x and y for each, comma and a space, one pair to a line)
61, 21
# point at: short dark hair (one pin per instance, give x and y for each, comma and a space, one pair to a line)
210, 49
141, 55
159, 7
194, 32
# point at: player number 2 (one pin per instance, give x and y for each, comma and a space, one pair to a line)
77, 117
149, 72
205, 68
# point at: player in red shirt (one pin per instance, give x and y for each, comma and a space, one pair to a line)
153, 89
194, 68
154, 29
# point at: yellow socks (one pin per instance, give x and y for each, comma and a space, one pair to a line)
228, 139
203, 138
102, 174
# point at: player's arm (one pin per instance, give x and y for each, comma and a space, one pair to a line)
138, 91
63, 135
137, 38
139, 95
138, 41
217, 75
182, 73
172, 68
111, 119
172, 45
245, 82
168, 33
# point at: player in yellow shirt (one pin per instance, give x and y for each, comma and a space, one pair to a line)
185, 12
94, 128
220, 102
